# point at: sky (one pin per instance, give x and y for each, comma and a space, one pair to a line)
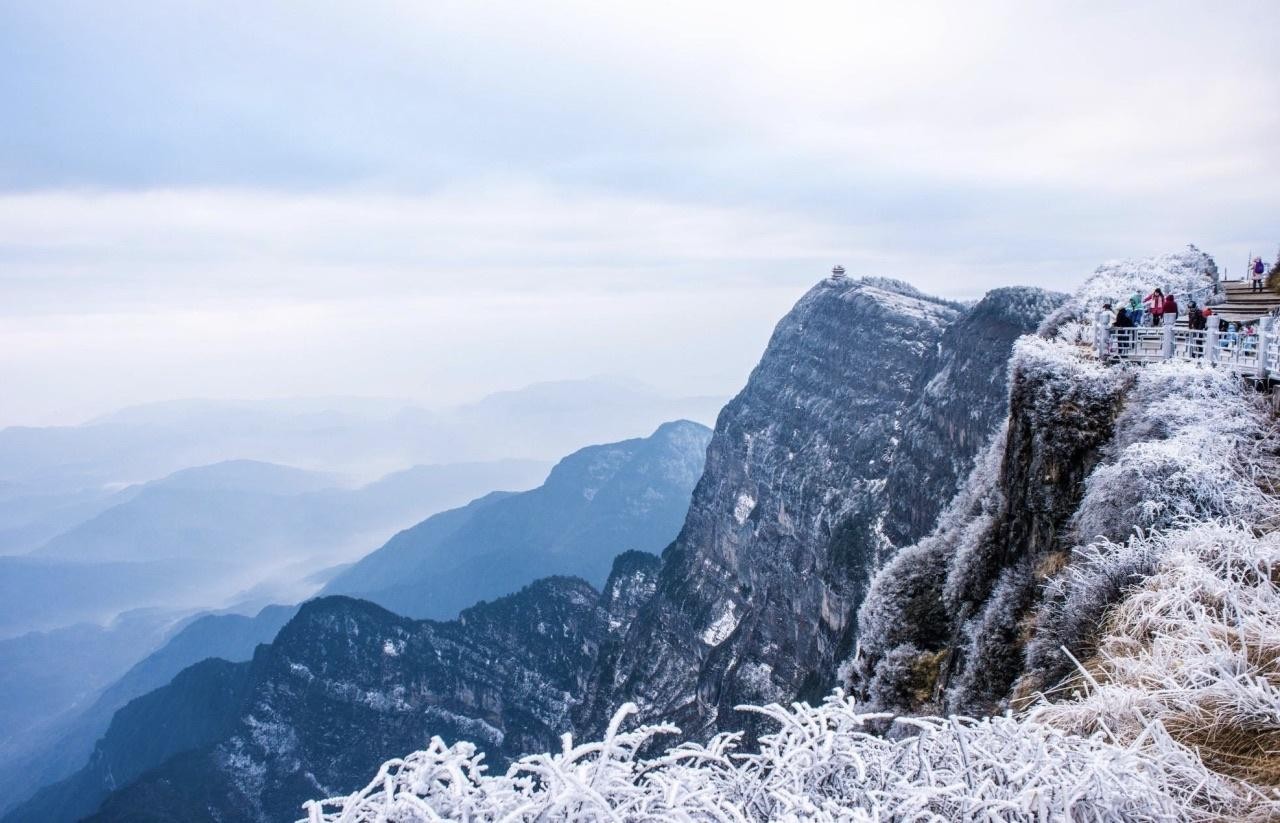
437, 199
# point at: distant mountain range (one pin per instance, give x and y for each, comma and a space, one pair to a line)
234, 531
34, 756
50, 468
595, 504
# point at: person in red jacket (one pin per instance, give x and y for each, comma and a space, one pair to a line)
1170, 310
1155, 306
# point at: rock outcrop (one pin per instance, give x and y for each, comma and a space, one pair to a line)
860, 421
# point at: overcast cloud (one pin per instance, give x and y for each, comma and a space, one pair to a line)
438, 199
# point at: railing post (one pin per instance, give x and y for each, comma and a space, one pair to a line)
1211, 338
1166, 343
1264, 337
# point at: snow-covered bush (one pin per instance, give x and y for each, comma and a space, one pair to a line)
1117, 280
822, 764
1191, 654
1192, 444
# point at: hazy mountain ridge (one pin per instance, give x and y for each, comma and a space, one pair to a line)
506, 672
595, 503
62, 746
364, 439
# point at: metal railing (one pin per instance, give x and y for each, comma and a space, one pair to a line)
1253, 355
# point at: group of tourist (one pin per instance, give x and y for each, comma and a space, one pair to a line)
1155, 309
1160, 309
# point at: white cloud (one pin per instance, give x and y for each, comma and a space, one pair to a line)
250, 197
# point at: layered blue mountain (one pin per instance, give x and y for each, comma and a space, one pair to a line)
245, 741
59, 466
234, 531
595, 504
38, 755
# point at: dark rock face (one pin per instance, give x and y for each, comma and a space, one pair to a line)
827, 458
346, 685
961, 394
597, 502
947, 622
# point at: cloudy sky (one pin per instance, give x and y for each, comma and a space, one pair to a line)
435, 199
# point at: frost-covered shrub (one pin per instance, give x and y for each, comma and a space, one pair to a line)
1075, 601
1116, 281
1193, 651
993, 642
821, 765
1190, 445
903, 615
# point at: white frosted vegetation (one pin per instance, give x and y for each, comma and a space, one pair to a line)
1189, 658
1117, 280
823, 764
1191, 445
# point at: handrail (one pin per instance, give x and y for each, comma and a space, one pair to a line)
1253, 355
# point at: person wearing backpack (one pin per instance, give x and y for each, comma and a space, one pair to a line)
1256, 269
1170, 313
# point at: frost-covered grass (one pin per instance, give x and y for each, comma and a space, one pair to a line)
1190, 657
822, 765
1192, 444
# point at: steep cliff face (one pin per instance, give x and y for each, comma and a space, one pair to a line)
825, 459
1028, 558
961, 393
343, 686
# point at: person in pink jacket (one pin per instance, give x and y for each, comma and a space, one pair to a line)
1155, 306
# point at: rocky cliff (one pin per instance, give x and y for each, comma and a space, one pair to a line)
997, 604
861, 419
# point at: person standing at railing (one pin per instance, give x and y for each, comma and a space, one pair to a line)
1124, 331
1170, 313
1135, 310
1155, 302
1255, 270
1197, 323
